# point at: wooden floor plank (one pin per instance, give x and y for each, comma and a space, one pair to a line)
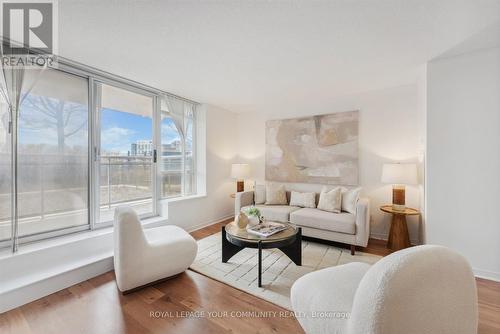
181, 305
14, 322
489, 306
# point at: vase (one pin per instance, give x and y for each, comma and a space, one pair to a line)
242, 221
253, 220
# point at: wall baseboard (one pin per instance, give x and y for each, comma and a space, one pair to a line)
378, 236
383, 236
486, 274
215, 221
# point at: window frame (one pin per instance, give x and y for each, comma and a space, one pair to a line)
97, 83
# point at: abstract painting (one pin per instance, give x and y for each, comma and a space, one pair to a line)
316, 149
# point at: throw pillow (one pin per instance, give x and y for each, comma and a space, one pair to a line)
260, 194
350, 199
330, 201
275, 194
304, 200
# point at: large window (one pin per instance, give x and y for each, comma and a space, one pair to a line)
53, 154
177, 150
76, 163
127, 151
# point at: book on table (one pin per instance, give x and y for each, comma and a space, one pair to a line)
266, 229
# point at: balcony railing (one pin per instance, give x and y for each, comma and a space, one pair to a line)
124, 179
52, 183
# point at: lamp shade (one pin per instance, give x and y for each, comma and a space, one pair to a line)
240, 171
399, 173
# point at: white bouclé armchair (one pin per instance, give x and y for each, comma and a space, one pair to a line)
143, 256
419, 290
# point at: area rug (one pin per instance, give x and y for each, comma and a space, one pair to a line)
278, 271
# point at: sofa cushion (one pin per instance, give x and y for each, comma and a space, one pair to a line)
276, 194
336, 222
279, 213
260, 194
349, 199
304, 200
330, 200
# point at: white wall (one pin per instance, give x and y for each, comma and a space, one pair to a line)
391, 128
221, 147
463, 157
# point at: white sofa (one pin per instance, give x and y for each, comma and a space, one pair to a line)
344, 227
145, 256
419, 290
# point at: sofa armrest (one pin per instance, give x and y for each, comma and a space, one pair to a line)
362, 222
242, 199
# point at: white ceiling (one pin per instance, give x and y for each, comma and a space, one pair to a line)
485, 39
259, 56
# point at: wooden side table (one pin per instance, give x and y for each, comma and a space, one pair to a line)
398, 235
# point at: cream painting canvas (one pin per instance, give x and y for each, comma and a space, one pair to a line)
317, 149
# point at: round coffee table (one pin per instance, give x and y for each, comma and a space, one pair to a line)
289, 241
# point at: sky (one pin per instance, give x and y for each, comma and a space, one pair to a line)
118, 130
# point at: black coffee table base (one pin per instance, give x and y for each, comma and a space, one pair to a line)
292, 248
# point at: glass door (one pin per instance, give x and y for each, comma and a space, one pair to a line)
126, 152
53, 155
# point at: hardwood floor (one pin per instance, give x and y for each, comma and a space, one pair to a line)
489, 306
189, 303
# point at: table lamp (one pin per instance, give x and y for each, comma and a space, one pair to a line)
240, 172
399, 175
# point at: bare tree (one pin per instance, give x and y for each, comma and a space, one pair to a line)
41, 112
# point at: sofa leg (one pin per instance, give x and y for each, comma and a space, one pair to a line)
353, 249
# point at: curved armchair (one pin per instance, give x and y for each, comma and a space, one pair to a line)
145, 256
423, 289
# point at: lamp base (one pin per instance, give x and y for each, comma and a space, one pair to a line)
240, 186
398, 198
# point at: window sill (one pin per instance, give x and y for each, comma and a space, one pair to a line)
182, 198
74, 237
